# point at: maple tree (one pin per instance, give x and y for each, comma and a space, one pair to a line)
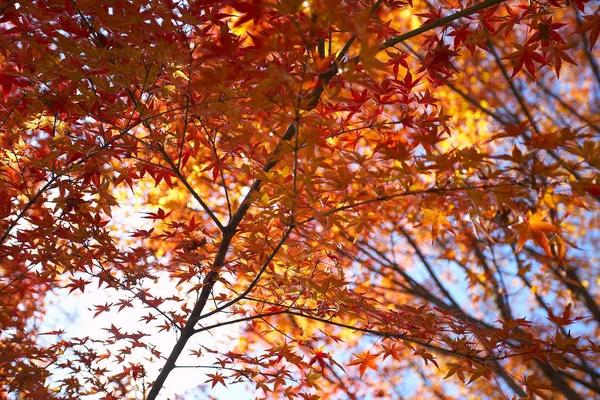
357, 199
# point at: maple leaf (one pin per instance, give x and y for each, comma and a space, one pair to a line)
591, 24
480, 371
215, 379
394, 350
435, 218
536, 388
215, 167
78, 284
427, 357
116, 332
142, 233
122, 303
536, 228
312, 378
526, 55
511, 130
56, 332
368, 58
365, 360
319, 358
455, 368
102, 308
558, 54
547, 32
431, 16
160, 214
566, 318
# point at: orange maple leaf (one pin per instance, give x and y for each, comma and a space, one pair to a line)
436, 218
365, 360
535, 228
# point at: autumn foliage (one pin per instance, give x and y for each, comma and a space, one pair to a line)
317, 199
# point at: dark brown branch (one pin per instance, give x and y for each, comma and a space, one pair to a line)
254, 282
427, 265
408, 193
501, 303
237, 321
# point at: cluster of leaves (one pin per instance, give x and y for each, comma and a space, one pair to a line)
385, 190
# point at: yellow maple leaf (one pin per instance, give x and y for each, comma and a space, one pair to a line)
368, 58
312, 378
436, 218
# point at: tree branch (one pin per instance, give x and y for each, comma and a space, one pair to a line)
440, 22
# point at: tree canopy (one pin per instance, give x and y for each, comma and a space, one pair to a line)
319, 199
